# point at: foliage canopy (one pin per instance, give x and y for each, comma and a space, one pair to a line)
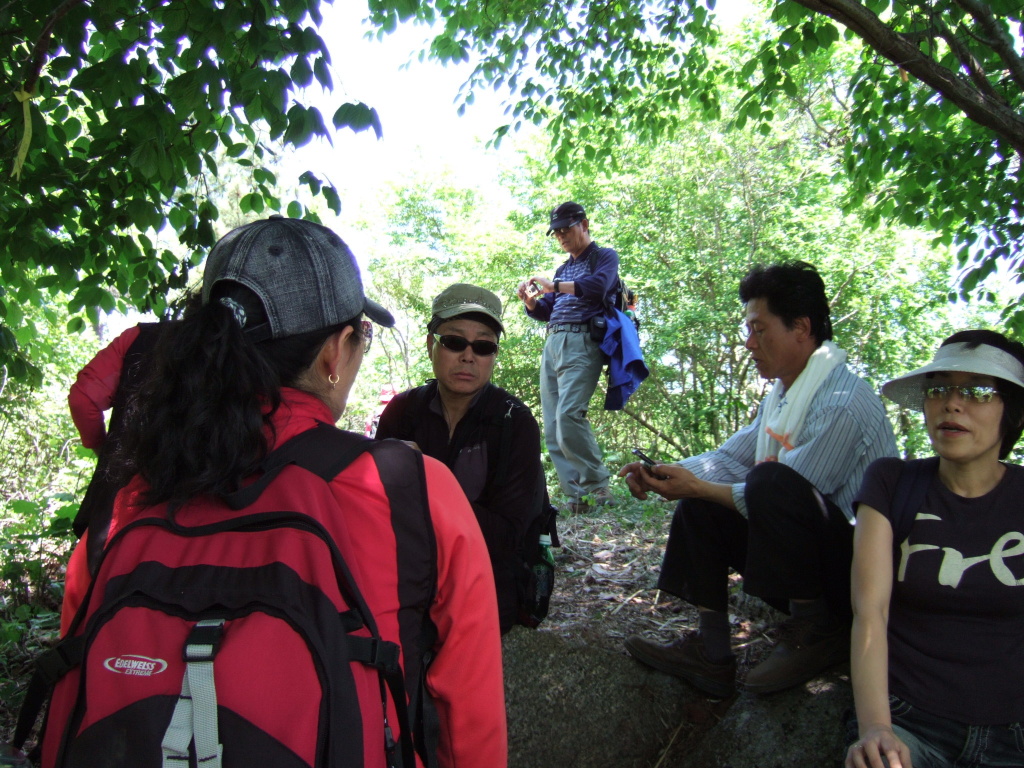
113, 117
934, 131
116, 116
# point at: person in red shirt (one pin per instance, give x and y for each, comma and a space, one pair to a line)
271, 351
106, 383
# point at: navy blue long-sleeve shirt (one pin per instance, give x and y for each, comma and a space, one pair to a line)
590, 288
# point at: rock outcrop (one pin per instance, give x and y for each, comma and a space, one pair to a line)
579, 703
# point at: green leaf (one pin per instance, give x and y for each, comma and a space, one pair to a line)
333, 200
322, 72
300, 129
302, 73
358, 117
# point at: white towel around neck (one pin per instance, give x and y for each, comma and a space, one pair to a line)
784, 410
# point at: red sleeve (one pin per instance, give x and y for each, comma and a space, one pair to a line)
465, 678
94, 389
76, 583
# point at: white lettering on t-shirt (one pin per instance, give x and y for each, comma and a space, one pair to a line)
906, 550
954, 564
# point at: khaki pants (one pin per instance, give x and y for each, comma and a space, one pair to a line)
569, 370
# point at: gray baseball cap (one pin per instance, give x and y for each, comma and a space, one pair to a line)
982, 359
464, 299
304, 274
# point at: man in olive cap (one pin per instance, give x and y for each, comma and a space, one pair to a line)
580, 290
486, 436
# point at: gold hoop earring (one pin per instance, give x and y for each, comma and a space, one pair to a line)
333, 380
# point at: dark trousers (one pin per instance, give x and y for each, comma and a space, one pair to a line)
794, 544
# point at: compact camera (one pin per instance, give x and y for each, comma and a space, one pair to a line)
532, 290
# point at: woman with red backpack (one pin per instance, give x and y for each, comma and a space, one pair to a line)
274, 591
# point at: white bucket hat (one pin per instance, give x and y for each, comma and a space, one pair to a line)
982, 359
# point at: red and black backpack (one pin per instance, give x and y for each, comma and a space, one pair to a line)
233, 643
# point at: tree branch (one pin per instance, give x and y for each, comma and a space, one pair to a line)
998, 38
38, 55
979, 107
654, 429
974, 68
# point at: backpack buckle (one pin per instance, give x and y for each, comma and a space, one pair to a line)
203, 641
384, 655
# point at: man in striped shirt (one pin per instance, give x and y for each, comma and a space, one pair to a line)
775, 501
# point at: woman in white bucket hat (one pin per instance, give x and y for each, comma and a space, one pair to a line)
938, 571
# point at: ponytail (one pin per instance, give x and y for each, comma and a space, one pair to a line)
201, 421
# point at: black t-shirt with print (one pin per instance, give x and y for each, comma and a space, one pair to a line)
956, 618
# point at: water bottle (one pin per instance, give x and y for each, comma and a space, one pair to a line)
533, 606
545, 569
11, 757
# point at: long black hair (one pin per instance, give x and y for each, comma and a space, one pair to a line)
200, 422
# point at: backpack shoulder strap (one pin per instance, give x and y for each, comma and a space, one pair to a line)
507, 409
404, 479
505, 444
617, 291
911, 489
498, 411
325, 451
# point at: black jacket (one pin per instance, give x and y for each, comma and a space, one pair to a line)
495, 455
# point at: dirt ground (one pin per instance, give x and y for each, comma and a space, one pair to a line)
606, 585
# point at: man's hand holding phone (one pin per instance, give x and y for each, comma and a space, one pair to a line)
648, 464
639, 475
670, 481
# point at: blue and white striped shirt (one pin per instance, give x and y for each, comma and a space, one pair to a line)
844, 431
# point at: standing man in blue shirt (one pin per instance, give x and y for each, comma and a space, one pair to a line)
572, 360
775, 502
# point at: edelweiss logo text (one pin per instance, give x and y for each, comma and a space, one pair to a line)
137, 666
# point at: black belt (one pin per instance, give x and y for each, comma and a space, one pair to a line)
568, 327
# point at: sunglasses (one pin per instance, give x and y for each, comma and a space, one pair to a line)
562, 231
973, 393
481, 347
367, 333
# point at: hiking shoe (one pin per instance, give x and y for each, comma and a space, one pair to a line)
600, 497
579, 506
685, 658
802, 651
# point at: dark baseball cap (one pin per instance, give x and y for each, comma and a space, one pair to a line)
566, 215
465, 299
303, 273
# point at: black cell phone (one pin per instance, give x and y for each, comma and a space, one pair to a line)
648, 463
647, 460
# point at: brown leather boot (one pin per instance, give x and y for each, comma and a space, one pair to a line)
802, 651
685, 658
